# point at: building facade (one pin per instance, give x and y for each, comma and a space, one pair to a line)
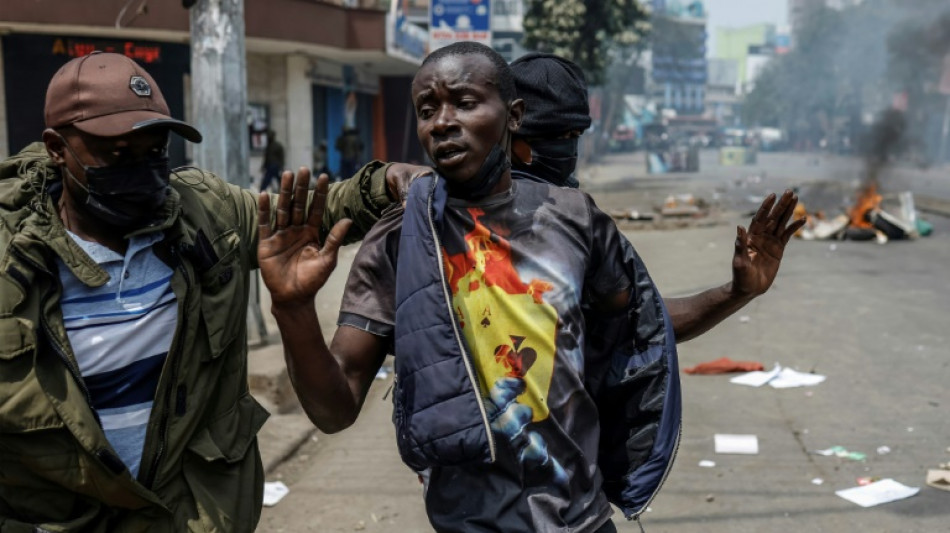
312, 68
678, 70
748, 46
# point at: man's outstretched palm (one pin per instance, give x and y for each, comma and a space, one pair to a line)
293, 263
759, 250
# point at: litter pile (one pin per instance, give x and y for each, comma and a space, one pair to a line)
675, 210
870, 490
873, 216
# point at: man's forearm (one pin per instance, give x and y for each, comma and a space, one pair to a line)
361, 198
317, 376
694, 315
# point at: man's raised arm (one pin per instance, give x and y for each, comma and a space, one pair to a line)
755, 263
330, 383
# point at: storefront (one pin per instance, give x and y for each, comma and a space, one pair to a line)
29, 62
343, 97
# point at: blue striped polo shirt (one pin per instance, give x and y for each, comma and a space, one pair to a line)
121, 333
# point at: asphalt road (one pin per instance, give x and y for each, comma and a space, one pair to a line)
872, 318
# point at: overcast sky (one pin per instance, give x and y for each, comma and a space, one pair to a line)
736, 13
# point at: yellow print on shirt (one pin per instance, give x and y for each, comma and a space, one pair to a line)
509, 329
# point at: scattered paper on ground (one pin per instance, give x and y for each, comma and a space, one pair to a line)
939, 479
779, 378
789, 378
883, 491
274, 491
706, 463
757, 378
841, 451
740, 444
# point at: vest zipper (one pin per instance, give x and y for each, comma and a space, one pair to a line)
666, 473
172, 360
472, 376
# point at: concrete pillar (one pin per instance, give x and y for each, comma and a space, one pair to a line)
219, 88
4, 142
299, 112
219, 100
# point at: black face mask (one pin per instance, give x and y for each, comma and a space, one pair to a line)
489, 174
554, 161
127, 195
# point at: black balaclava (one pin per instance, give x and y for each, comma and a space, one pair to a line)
554, 91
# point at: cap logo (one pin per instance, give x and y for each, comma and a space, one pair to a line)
140, 86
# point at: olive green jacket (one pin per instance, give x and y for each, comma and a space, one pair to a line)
201, 467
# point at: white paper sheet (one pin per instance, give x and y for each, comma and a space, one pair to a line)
789, 378
883, 491
740, 444
756, 378
779, 378
274, 491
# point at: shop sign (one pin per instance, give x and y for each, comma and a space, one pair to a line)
143, 53
459, 20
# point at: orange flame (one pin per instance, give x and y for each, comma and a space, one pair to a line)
868, 201
491, 256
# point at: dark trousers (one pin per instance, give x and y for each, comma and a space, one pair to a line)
348, 168
271, 173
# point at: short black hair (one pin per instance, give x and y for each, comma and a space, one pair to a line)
504, 79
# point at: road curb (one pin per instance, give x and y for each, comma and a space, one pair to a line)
281, 437
932, 205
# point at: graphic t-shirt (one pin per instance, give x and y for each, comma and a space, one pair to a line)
518, 266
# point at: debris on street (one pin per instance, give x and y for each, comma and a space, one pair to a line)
676, 208
841, 451
682, 205
778, 378
724, 365
736, 444
872, 217
384, 372
274, 491
883, 491
939, 479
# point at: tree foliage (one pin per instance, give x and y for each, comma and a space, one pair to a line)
844, 63
585, 32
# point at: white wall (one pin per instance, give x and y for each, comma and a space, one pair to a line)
299, 109
267, 84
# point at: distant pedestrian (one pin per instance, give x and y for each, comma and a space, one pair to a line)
320, 164
273, 161
350, 146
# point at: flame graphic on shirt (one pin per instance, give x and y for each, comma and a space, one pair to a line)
509, 328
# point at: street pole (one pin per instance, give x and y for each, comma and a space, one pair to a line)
946, 130
219, 98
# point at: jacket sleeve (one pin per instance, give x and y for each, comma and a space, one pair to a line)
362, 198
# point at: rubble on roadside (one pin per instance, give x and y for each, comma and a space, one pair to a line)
873, 217
676, 211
